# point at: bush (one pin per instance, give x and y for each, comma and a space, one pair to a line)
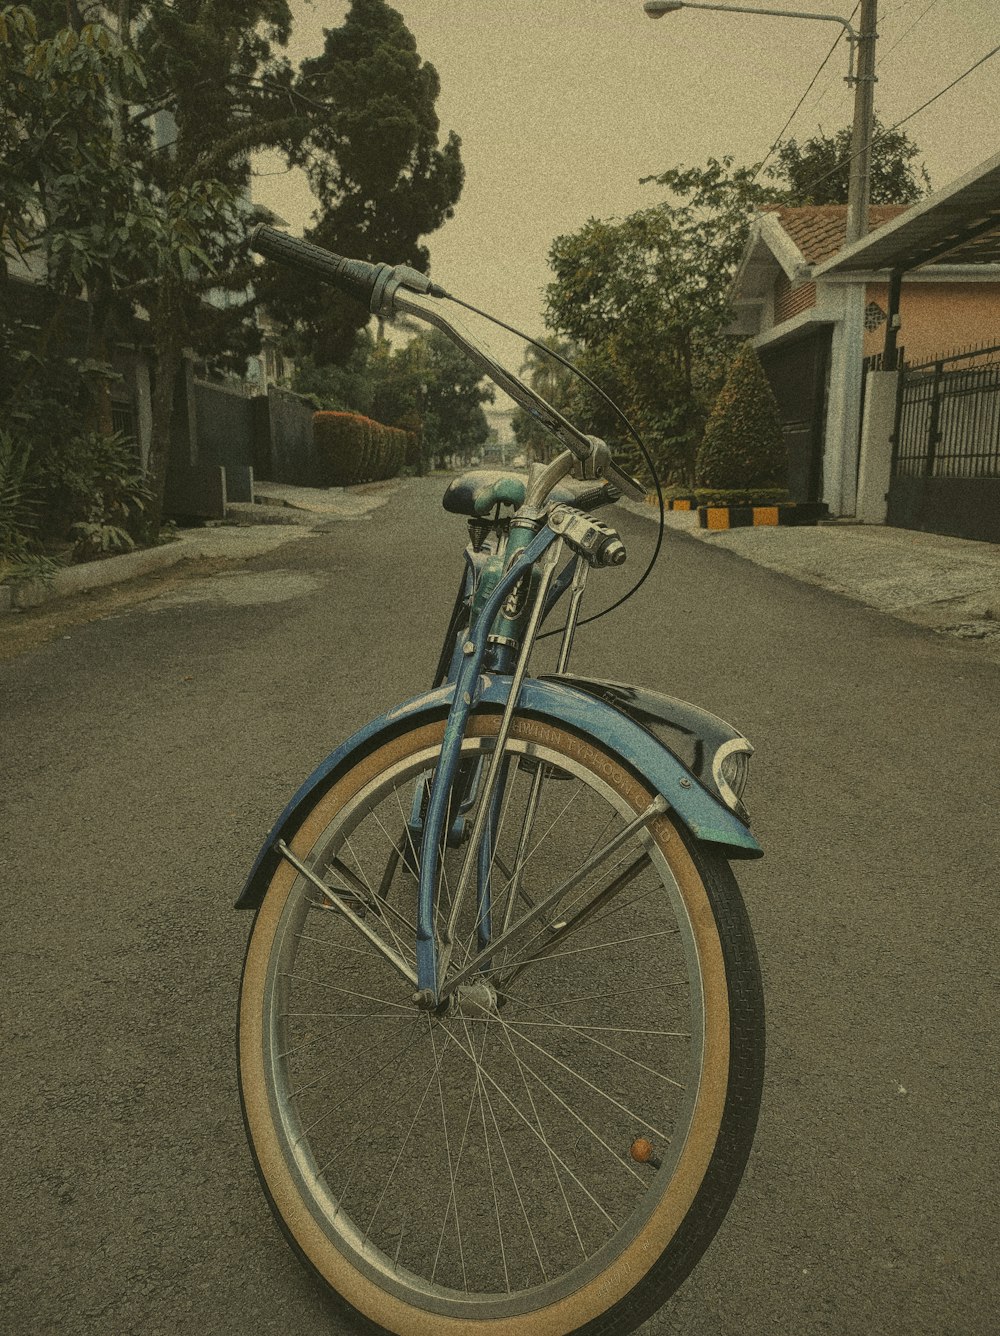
20, 557
351, 449
92, 492
743, 446
740, 496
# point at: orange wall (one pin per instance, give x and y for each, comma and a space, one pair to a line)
938, 318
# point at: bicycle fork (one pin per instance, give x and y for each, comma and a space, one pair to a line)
432, 964
547, 544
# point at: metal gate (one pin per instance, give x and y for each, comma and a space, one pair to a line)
946, 447
798, 372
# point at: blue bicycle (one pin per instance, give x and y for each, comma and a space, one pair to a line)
501, 1021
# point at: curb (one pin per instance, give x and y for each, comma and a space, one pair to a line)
91, 575
718, 518
192, 545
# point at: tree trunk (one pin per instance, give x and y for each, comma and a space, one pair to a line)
168, 358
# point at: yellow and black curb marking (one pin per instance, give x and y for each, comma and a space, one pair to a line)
736, 517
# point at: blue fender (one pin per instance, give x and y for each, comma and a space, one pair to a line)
600, 722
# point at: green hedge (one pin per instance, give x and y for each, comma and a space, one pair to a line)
740, 496
351, 449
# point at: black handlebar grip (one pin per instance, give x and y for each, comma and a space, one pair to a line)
355, 277
601, 494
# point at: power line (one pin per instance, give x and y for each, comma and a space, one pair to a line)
812, 82
824, 94
906, 34
891, 13
908, 117
781, 132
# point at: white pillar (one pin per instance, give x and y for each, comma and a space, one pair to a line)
876, 446
840, 457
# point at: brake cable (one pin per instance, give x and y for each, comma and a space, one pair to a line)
535, 343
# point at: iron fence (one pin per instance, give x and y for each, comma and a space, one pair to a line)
948, 418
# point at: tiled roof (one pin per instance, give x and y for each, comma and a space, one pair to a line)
819, 230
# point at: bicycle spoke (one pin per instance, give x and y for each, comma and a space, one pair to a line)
512, 1166
597, 1091
551, 1156
510, 1103
458, 1162
598, 1043
447, 1147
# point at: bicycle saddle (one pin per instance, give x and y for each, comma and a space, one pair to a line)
476, 493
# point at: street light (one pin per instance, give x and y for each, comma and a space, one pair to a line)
864, 84
657, 9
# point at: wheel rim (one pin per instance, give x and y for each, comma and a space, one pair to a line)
477, 1164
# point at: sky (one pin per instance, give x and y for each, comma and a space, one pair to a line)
563, 106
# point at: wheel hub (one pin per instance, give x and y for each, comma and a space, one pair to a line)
477, 1000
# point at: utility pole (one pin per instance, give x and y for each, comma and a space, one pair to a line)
859, 187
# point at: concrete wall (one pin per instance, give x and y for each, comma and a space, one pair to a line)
285, 444
224, 435
938, 318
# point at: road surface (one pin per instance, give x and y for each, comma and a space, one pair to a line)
145, 755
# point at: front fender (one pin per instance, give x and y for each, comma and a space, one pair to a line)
600, 722
702, 741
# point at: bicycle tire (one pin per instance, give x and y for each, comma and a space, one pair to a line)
698, 1114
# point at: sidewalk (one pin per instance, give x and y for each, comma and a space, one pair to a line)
947, 584
249, 530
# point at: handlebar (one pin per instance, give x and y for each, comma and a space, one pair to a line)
355, 277
380, 287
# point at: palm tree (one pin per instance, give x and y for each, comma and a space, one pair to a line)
554, 382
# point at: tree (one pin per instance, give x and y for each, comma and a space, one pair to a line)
426, 386
339, 388
208, 104
818, 171
132, 138
646, 298
743, 445
114, 213
71, 206
556, 384
373, 160
454, 424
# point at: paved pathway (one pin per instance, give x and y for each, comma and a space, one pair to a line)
948, 584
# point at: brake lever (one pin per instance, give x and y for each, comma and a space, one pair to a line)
628, 485
600, 465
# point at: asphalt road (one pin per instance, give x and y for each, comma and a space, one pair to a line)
145, 755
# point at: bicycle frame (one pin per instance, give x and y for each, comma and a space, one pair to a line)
579, 703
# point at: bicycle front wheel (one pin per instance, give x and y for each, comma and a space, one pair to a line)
552, 1150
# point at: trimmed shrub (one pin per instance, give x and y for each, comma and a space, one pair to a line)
351, 449
743, 446
740, 496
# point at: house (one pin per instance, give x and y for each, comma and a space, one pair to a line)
815, 309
